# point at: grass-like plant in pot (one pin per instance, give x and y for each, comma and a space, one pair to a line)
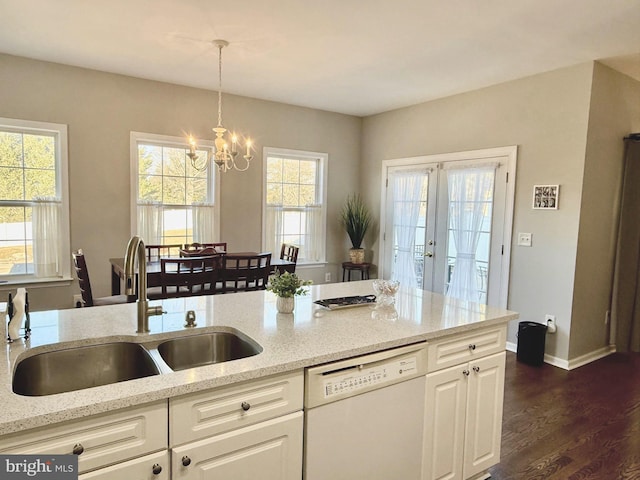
356, 221
286, 286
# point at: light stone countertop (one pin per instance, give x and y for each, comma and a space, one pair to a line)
311, 336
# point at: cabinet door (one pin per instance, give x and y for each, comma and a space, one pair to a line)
484, 414
444, 427
149, 467
270, 450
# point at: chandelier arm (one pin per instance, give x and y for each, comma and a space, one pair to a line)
247, 159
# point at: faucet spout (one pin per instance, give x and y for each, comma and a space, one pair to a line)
136, 251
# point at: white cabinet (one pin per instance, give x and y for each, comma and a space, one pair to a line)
247, 431
98, 440
150, 467
464, 402
269, 450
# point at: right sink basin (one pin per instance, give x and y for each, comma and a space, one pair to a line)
206, 348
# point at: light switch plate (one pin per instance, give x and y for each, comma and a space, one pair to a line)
524, 239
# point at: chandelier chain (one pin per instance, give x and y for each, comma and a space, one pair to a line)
220, 85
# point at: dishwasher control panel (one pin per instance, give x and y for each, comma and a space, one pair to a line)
361, 377
334, 381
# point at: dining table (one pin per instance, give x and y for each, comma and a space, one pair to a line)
153, 270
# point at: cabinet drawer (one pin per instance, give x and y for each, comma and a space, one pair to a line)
270, 450
105, 439
457, 349
137, 469
201, 415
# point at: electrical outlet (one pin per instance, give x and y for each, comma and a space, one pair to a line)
524, 239
550, 320
77, 300
327, 277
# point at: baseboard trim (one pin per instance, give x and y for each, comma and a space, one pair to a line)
591, 356
573, 363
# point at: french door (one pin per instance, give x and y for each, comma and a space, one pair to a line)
446, 223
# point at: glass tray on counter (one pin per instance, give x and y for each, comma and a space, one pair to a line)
346, 302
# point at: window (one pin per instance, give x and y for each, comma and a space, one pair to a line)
34, 208
294, 203
173, 202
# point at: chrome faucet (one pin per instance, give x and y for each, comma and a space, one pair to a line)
136, 246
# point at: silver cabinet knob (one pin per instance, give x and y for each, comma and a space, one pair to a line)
465, 373
78, 449
245, 406
186, 461
156, 469
476, 369
472, 346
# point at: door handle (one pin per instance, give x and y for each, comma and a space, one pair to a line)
428, 254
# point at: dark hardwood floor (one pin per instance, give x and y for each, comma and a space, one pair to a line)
571, 425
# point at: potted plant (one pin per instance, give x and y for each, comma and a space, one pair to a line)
356, 220
286, 286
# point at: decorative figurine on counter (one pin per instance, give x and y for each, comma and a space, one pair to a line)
17, 309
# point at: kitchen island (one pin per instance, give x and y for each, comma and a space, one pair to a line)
290, 343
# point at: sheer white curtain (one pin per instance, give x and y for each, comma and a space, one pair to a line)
407, 191
47, 236
150, 222
203, 215
273, 229
470, 190
313, 229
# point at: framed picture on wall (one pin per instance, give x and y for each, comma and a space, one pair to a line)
545, 197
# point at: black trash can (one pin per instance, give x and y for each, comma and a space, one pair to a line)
531, 337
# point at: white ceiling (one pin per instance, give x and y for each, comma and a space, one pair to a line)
357, 57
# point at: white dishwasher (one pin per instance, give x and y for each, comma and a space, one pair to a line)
364, 416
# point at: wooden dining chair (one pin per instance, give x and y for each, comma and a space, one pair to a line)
82, 272
185, 277
219, 247
289, 253
156, 252
244, 273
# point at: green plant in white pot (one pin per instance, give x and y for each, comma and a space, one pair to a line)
286, 286
356, 220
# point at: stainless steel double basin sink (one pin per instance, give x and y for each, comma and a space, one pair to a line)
76, 368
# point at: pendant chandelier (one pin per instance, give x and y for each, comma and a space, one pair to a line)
226, 143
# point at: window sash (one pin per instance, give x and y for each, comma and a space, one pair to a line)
57, 263
291, 223
173, 207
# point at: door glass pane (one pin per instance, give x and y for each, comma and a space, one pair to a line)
469, 229
409, 223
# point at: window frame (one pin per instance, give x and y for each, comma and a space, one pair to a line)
213, 178
60, 133
321, 188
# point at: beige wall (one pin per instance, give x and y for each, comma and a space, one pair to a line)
614, 113
101, 109
567, 125
546, 115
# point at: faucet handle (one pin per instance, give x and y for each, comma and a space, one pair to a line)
190, 319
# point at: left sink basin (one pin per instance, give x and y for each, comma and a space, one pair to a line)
72, 369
